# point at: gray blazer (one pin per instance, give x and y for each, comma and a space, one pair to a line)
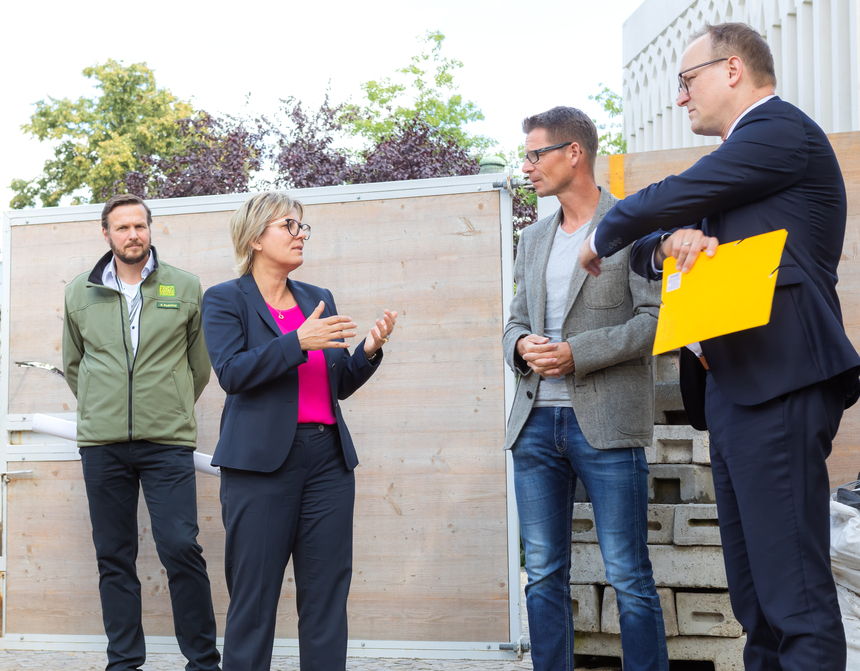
610, 325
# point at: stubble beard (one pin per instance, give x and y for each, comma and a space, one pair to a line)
130, 258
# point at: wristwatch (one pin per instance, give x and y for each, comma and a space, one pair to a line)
659, 249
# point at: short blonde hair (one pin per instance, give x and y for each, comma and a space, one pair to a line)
249, 222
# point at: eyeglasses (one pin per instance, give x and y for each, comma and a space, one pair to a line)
533, 156
682, 83
293, 227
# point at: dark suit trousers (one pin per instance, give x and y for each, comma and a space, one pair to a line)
113, 475
304, 509
772, 492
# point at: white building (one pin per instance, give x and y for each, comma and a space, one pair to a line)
814, 44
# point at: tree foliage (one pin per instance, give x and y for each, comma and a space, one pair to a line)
414, 150
610, 139
218, 155
425, 90
104, 138
305, 152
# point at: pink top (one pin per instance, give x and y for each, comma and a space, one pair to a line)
314, 386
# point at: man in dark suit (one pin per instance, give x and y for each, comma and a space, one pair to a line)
772, 397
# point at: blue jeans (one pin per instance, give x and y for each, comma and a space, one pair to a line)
549, 454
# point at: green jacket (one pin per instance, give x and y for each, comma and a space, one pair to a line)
123, 396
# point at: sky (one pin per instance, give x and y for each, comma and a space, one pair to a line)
519, 57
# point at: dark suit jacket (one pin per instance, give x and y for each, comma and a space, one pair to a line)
776, 170
258, 368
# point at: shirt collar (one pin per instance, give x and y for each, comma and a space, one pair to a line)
109, 274
747, 111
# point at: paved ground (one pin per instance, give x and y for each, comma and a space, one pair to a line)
91, 661
15, 660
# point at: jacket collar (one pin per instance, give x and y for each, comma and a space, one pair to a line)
542, 251
750, 114
95, 276
579, 275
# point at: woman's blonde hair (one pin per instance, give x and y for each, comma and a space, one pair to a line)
249, 222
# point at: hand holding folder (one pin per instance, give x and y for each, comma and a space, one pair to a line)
728, 292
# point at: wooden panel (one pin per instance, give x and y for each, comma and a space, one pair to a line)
430, 525
642, 169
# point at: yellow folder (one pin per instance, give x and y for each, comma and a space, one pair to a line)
728, 292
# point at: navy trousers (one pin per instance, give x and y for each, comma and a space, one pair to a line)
304, 509
113, 475
772, 491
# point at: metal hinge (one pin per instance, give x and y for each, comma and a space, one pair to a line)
519, 647
7, 477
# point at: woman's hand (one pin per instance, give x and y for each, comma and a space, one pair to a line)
318, 333
378, 335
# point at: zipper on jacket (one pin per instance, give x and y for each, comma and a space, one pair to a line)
128, 363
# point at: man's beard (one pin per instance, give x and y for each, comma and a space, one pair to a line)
130, 257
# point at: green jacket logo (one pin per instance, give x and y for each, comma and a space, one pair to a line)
167, 290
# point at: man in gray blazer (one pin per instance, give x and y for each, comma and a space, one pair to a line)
584, 406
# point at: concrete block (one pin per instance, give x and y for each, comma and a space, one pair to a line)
586, 607
696, 524
673, 565
609, 621
706, 614
680, 483
701, 447
677, 444
668, 405
726, 654
661, 521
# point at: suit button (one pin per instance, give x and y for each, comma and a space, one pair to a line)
529, 394
322, 427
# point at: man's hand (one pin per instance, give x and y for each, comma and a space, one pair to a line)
684, 246
545, 358
588, 259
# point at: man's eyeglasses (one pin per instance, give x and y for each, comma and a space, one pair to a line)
533, 156
293, 227
682, 83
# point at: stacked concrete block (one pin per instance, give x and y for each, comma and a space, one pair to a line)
683, 542
609, 623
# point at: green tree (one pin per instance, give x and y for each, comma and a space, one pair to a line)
424, 89
610, 139
104, 138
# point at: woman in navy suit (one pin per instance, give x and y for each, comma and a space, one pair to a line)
287, 483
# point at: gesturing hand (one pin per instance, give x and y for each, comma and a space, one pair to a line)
318, 333
378, 335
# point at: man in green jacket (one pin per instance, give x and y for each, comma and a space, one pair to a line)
135, 359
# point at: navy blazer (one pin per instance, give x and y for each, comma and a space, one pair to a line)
257, 366
776, 170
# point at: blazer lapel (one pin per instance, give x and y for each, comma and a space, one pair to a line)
306, 302
579, 275
538, 274
255, 298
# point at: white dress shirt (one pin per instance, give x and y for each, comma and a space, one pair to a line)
111, 279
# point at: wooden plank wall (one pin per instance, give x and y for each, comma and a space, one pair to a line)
430, 522
643, 169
